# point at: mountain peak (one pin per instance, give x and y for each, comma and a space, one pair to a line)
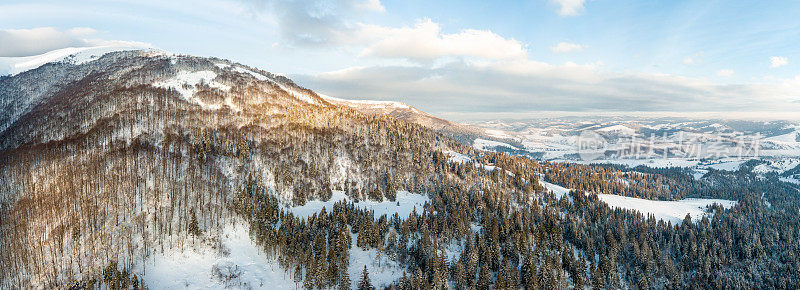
75, 55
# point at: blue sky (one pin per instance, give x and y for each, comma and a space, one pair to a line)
463, 59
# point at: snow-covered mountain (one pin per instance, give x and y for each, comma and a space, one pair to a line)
653, 142
408, 113
75, 55
143, 168
125, 118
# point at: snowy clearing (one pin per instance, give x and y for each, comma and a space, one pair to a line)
186, 83
672, 211
403, 205
381, 273
456, 157
789, 138
483, 144
779, 166
256, 75
204, 267
558, 190
699, 173
728, 166
790, 180
498, 133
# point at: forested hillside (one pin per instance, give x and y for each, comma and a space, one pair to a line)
109, 163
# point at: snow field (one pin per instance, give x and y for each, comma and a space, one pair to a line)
484, 144
76, 55
186, 83
381, 273
237, 262
673, 211
403, 205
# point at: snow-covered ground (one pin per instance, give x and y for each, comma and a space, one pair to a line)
237, 262
77, 55
618, 129
727, 165
673, 211
778, 166
699, 173
186, 82
458, 157
373, 104
657, 142
381, 273
461, 158
788, 138
654, 163
790, 180
557, 190
483, 144
205, 267
498, 134
384, 272
403, 205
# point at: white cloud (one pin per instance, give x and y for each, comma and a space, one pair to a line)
778, 61
371, 5
27, 42
82, 31
527, 86
314, 23
725, 72
425, 42
569, 7
335, 23
694, 59
564, 47
36, 41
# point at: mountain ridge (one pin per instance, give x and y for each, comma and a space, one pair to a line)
403, 111
138, 162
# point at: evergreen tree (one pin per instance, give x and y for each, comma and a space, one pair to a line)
364, 283
344, 280
458, 275
298, 276
484, 279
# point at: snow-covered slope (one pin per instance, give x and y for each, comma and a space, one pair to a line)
484, 144
618, 129
76, 55
672, 211
778, 166
404, 204
411, 114
369, 104
231, 261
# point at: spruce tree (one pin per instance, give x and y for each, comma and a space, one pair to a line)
484, 279
344, 280
298, 276
364, 283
